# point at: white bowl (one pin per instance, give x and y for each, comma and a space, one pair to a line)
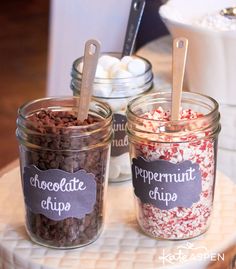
211, 61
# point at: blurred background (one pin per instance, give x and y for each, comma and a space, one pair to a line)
23, 64
39, 40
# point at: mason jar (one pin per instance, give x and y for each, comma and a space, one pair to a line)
121, 91
64, 170
173, 163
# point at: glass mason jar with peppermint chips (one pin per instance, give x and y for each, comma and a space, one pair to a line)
117, 81
173, 163
64, 169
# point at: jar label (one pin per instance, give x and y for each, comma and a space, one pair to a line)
58, 194
120, 141
166, 185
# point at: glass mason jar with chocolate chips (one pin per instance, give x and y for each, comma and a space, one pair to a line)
64, 170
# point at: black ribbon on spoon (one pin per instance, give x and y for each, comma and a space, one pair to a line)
135, 15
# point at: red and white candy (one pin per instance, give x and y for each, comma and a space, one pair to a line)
179, 222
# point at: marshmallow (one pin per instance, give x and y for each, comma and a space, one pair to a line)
111, 67
122, 80
124, 162
115, 68
136, 67
119, 165
106, 61
114, 170
103, 90
100, 72
126, 59
122, 74
125, 169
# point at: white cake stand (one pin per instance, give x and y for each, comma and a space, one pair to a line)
121, 245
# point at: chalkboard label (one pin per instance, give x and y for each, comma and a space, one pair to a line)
120, 141
166, 185
58, 194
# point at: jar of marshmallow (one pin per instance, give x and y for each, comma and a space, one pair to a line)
118, 80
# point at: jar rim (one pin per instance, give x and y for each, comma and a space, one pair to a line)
23, 115
139, 100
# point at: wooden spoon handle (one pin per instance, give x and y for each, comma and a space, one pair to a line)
180, 46
91, 54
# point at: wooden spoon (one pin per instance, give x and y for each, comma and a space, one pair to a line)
180, 46
91, 54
